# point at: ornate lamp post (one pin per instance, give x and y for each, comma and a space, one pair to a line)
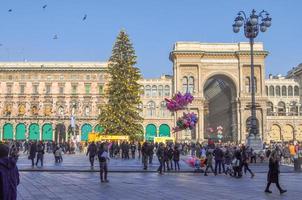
252, 25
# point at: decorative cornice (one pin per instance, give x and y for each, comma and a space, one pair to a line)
173, 54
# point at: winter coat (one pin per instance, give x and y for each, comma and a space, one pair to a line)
218, 153
160, 153
9, 179
273, 172
33, 151
176, 155
92, 150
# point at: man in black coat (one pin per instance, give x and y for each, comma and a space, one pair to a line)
32, 153
92, 151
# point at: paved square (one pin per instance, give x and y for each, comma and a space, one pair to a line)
132, 186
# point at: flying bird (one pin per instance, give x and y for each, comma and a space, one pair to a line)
44, 7
85, 17
55, 37
10, 10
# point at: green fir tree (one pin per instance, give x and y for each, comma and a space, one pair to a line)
120, 116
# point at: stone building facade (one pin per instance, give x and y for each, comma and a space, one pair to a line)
41, 100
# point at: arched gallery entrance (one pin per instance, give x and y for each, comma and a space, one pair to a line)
220, 108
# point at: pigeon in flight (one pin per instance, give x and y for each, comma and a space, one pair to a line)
44, 7
10, 10
55, 37
85, 17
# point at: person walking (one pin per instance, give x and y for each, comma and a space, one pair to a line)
209, 163
40, 153
245, 165
9, 175
139, 148
103, 157
160, 156
176, 156
133, 149
218, 153
92, 151
145, 151
170, 156
32, 153
273, 173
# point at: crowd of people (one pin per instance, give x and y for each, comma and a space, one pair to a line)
229, 159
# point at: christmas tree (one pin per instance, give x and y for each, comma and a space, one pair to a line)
120, 116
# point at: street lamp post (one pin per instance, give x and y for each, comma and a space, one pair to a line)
251, 30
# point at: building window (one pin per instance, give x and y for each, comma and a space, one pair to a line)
284, 91
36, 89
22, 89
148, 91
167, 90
290, 91
191, 85
266, 90
247, 84
281, 109
151, 109
296, 91
62, 77
271, 91
101, 89
154, 90
9, 89
163, 109
278, 91
10, 77
160, 91
48, 89
185, 84
87, 77
74, 89
87, 88
61, 90
270, 109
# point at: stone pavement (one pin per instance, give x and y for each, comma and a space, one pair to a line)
138, 186
80, 163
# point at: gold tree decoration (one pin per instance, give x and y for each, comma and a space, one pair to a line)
120, 116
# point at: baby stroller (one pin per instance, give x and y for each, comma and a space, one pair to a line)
196, 163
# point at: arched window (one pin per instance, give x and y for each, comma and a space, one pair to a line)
184, 84
266, 90
148, 91
247, 84
151, 109
167, 90
294, 110
191, 85
271, 91
270, 108
160, 91
290, 91
278, 94
154, 90
281, 108
296, 91
284, 93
